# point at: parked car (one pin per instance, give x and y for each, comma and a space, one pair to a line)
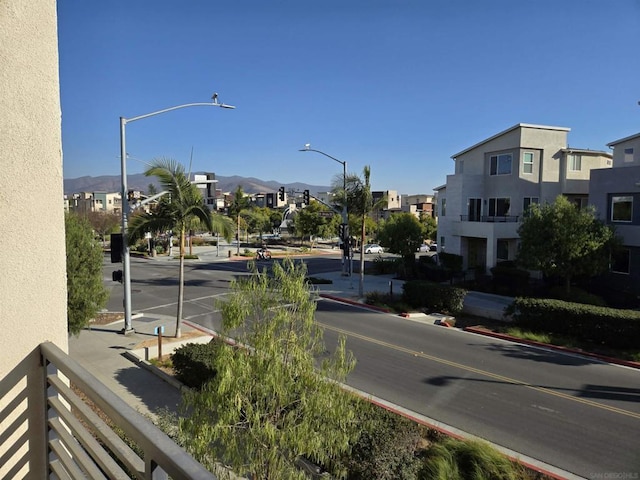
423, 248
433, 247
373, 248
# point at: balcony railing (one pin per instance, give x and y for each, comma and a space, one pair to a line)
81, 445
490, 218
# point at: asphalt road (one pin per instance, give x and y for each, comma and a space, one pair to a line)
577, 414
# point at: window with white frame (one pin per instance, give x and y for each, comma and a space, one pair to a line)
621, 261
575, 162
499, 207
621, 209
500, 164
527, 162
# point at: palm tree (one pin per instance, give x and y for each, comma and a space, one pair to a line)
360, 202
176, 212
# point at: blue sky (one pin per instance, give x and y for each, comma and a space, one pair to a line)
396, 85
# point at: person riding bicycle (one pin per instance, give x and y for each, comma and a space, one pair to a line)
263, 253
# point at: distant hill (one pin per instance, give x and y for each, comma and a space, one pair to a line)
112, 183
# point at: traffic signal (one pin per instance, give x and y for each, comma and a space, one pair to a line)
344, 231
305, 197
281, 194
116, 247
116, 275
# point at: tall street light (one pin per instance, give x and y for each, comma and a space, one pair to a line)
345, 216
126, 264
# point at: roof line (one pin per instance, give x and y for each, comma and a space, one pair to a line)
516, 126
630, 137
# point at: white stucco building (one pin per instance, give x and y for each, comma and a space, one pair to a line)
482, 204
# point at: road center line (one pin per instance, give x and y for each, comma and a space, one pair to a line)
485, 373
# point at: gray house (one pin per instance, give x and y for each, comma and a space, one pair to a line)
482, 204
615, 193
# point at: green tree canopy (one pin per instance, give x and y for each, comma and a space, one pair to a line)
103, 223
177, 211
309, 221
562, 240
270, 402
430, 226
86, 294
402, 234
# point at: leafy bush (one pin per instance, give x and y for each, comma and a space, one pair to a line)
434, 296
451, 261
576, 295
383, 266
387, 446
615, 328
197, 241
455, 459
193, 363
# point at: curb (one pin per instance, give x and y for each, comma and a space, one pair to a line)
533, 343
355, 303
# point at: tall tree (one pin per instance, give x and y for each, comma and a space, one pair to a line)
103, 223
270, 402
562, 240
176, 213
86, 294
361, 203
402, 234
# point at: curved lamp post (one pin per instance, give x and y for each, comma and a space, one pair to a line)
345, 216
126, 265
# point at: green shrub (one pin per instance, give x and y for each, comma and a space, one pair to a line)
193, 363
576, 295
387, 446
454, 459
615, 328
384, 266
197, 241
434, 296
451, 261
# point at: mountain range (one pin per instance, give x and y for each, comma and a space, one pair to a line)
112, 183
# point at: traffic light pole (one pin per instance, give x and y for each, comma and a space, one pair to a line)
345, 214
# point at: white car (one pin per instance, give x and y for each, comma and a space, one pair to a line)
373, 248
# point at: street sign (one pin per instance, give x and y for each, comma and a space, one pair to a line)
326, 214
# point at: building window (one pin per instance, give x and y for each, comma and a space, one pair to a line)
499, 207
527, 202
621, 209
501, 164
441, 246
527, 162
620, 262
443, 207
628, 155
502, 250
575, 162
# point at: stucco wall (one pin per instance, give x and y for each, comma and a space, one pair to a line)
33, 280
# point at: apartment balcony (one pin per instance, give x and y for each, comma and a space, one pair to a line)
490, 218
486, 226
76, 442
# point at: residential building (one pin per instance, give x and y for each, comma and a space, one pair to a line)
418, 204
482, 204
615, 194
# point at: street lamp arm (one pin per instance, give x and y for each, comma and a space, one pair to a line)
198, 104
325, 154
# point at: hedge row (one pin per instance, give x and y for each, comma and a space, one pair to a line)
608, 326
434, 296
